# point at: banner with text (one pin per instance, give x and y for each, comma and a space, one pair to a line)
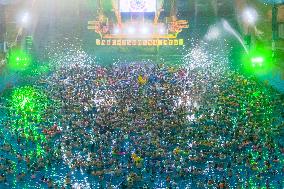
118, 42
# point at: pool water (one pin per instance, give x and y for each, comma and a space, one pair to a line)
94, 127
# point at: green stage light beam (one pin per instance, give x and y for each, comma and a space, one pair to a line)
18, 60
257, 61
30, 105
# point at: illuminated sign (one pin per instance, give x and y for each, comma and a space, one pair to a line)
138, 5
131, 42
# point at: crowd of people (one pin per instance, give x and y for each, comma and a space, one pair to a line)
145, 125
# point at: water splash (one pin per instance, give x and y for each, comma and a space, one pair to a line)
213, 33
209, 56
231, 30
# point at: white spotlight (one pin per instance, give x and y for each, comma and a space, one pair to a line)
116, 31
145, 30
162, 31
131, 30
25, 18
250, 16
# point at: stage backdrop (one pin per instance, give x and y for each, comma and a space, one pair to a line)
138, 5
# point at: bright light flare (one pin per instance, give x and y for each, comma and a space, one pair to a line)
116, 30
162, 31
257, 61
250, 15
130, 30
145, 30
19, 60
25, 18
